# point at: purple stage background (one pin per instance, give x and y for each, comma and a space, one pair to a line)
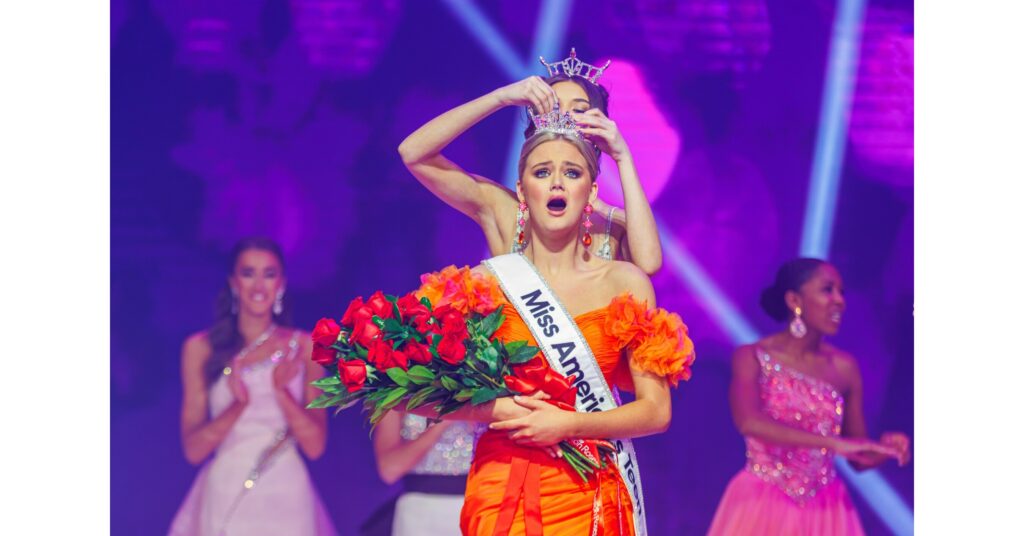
278, 117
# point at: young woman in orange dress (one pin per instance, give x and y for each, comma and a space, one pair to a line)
594, 319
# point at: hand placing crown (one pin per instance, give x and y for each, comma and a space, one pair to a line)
573, 66
554, 121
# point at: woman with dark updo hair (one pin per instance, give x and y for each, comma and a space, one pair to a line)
798, 401
246, 387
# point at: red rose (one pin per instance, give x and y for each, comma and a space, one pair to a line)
445, 312
326, 332
412, 308
454, 326
417, 353
452, 322
356, 311
422, 325
324, 356
452, 350
383, 356
365, 332
352, 374
380, 305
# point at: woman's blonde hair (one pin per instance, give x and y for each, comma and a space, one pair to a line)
544, 136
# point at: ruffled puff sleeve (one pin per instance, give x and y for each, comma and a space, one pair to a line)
658, 339
462, 289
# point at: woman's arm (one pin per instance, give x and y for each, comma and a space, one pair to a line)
641, 245
650, 413
489, 204
546, 425
854, 424
745, 401
199, 435
496, 410
307, 426
395, 456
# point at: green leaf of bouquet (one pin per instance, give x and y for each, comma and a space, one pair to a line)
393, 398
426, 302
491, 323
448, 407
449, 383
464, 395
514, 346
375, 397
523, 354
319, 402
361, 352
420, 375
421, 397
398, 376
326, 381
484, 395
392, 325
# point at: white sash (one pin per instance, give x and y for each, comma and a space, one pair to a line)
568, 353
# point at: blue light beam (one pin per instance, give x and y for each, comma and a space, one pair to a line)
688, 270
548, 38
477, 23
881, 497
840, 79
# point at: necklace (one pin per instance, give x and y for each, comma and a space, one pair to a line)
264, 337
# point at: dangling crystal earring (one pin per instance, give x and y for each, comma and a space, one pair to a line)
797, 327
234, 301
279, 302
520, 242
587, 224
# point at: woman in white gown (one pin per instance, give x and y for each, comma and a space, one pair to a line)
246, 386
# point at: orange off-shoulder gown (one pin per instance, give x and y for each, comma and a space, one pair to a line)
523, 491
547, 496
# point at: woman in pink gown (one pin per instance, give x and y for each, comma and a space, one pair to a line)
797, 400
246, 386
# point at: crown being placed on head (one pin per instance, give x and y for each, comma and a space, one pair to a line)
572, 66
554, 121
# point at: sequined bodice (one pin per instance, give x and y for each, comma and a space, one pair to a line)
452, 453
799, 401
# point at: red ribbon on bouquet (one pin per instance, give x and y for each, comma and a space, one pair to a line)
535, 375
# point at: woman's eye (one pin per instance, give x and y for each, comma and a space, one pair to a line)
541, 173
572, 174
580, 110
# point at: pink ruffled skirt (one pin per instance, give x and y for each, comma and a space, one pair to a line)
752, 506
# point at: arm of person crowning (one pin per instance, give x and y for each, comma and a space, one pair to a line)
640, 244
489, 204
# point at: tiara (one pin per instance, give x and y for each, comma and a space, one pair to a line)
572, 66
554, 121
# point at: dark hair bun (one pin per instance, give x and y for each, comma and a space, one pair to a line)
773, 302
791, 276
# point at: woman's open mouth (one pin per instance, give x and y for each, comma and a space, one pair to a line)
556, 206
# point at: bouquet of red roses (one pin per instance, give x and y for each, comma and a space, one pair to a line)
393, 352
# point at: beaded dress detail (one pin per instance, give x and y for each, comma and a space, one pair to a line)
802, 402
785, 489
452, 453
